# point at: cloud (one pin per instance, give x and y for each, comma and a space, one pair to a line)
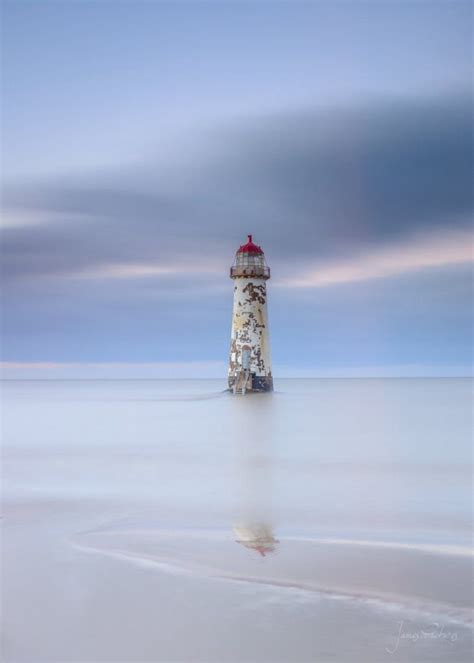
142, 270
435, 250
310, 185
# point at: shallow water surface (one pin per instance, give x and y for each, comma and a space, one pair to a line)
170, 520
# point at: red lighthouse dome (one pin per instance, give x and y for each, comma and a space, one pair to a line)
250, 247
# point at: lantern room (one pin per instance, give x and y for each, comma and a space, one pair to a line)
250, 262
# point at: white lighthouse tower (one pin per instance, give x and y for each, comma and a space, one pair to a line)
249, 362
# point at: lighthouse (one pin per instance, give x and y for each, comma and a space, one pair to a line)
249, 362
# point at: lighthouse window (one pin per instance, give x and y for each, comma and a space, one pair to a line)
250, 260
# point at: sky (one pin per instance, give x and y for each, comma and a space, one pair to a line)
143, 141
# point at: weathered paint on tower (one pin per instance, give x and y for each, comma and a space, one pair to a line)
249, 362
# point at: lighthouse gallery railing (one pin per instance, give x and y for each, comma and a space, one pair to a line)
257, 272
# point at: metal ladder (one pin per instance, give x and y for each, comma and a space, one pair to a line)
240, 385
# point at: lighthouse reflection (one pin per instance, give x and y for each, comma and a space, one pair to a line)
256, 536
254, 524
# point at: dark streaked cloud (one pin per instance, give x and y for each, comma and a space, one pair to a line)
309, 185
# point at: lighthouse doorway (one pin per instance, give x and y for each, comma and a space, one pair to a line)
245, 358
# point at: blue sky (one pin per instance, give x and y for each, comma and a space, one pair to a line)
142, 141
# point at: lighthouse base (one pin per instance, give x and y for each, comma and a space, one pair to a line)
262, 383
243, 383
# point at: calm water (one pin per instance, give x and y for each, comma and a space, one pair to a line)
169, 520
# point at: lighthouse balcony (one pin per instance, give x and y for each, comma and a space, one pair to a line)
241, 271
